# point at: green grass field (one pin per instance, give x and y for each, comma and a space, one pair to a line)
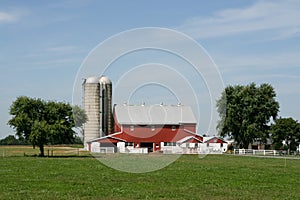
212, 177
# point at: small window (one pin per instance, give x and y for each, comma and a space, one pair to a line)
170, 144
128, 144
152, 128
173, 128
131, 128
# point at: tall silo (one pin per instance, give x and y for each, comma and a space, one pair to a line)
91, 100
106, 119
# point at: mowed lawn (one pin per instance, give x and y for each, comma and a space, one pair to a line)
190, 177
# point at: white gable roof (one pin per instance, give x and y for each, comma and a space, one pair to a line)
206, 139
155, 114
188, 138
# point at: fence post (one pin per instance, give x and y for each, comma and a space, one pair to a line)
253, 152
264, 152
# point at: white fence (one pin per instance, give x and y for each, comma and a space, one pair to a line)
183, 148
186, 150
106, 150
134, 150
257, 152
179, 150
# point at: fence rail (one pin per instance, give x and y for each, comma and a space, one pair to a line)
260, 152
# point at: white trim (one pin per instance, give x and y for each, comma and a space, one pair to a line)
206, 139
92, 140
183, 140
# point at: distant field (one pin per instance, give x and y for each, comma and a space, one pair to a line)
22, 150
213, 177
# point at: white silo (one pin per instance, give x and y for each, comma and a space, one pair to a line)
91, 98
106, 122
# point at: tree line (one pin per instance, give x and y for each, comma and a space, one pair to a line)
250, 113
13, 140
43, 122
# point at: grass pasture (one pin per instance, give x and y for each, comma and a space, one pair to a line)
189, 177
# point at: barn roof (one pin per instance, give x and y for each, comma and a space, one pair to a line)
208, 139
185, 139
154, 114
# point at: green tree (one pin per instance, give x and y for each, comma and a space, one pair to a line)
9, 140
245, 112
80, 119
42, 122
287, 130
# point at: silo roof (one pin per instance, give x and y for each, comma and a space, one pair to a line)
104, 79
92, 79
154, 114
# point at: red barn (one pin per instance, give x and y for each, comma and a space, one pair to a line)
149, 127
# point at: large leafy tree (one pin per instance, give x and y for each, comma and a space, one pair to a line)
286, 130
80, 118
42, 122
245, 112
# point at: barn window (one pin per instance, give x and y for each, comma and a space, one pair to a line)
173, 128
131, 128
169, 143
152, 128
221, 144
128, 144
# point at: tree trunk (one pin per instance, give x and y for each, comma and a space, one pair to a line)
42, 150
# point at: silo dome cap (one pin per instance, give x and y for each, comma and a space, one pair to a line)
92, 80
104, 79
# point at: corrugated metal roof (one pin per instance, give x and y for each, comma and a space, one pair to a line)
154, 114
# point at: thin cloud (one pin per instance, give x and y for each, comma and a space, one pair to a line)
6, 17
13, 15
279, 16
63, 49
262, 62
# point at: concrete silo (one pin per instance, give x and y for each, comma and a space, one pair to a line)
106, 119
91, 98
97, 99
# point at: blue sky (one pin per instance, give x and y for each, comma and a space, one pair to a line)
43, 44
